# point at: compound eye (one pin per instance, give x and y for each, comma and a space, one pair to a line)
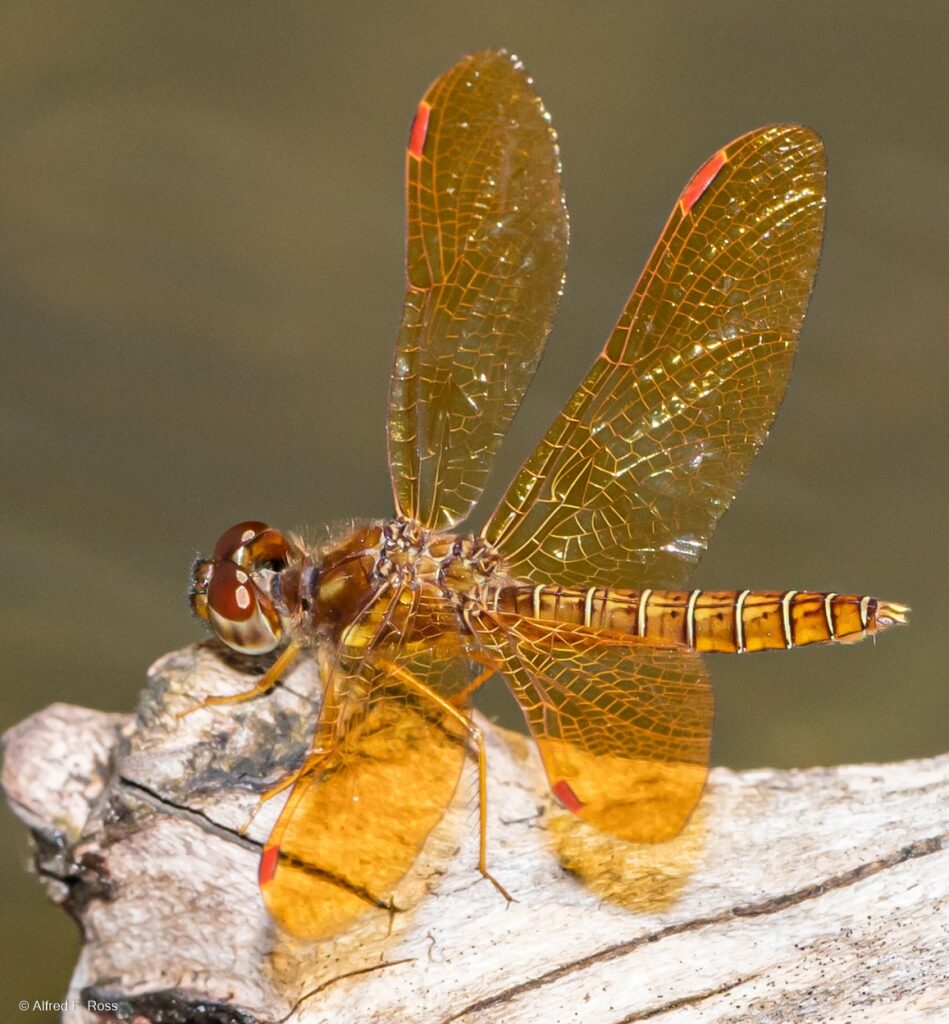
240, 613
237, 536
268, 550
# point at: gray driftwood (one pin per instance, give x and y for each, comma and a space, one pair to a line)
801, 896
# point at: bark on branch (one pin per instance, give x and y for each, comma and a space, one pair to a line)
816, 895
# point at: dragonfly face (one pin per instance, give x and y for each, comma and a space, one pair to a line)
235, 591
573, 590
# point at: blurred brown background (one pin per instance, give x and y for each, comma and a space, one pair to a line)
200, 284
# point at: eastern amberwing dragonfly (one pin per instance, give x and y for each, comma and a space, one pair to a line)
570, 590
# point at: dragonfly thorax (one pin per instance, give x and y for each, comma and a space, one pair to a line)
411, 557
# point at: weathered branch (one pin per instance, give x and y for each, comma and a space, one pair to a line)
814, 895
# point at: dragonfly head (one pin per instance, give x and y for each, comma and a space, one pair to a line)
236, 590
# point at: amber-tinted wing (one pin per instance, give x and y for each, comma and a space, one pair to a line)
623, 726
355, 822
631, 478
487, 240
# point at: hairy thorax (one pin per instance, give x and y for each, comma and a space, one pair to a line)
388, 581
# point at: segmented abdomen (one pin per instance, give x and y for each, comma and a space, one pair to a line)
714, 620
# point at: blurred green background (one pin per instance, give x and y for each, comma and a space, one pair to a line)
200, 284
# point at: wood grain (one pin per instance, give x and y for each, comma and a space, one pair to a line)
817, 895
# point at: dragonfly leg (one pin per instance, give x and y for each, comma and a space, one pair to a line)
263, 686
461, 698
323, 745
308, 766
411, 682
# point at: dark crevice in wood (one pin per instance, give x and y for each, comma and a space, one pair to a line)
921, 848
199, 818
342, 977
230, 835
775, 904
693, 1000
169, 1006
298, 864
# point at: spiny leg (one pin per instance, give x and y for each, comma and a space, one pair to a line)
263, 686
461, 698
411, 682
308, 766
324, 743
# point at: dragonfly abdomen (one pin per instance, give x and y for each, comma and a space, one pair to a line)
729, 621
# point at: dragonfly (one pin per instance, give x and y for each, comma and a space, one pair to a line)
573, 590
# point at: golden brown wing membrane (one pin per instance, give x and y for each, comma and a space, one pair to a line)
630, 480
487, 238
356, 821
623, 727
